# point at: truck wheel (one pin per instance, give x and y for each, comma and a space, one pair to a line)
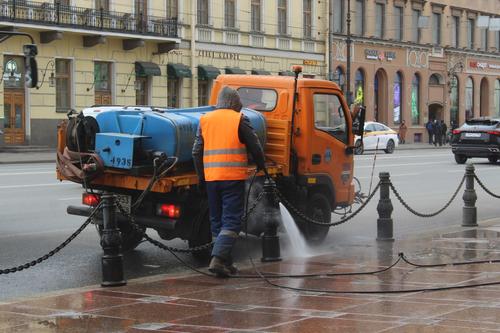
131, 237
358, 147
200, 237
493, 159
318, 208
460, 159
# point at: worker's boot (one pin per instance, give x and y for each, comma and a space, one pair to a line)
230, 266
218, 267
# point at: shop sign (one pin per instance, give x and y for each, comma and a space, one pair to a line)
218, 55
258, 58
310, 62
380, 55
482, 65
12, 75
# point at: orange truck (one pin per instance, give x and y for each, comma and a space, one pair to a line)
306, 125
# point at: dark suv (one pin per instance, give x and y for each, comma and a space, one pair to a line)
479, 137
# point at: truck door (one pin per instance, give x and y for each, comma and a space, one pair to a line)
329, 140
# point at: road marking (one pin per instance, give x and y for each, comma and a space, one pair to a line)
399, 175
35, 233
28, 173
72, 198
34, 185
398, 165
369, 158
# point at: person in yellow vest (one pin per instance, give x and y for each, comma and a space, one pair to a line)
220, 158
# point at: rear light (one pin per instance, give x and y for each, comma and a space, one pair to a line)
455, 131
91, 199
497, 133
169, 210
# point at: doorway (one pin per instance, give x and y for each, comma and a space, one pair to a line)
436, 112
380, 112
14, 121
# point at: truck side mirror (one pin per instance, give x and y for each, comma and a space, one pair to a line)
358, 122
31, 68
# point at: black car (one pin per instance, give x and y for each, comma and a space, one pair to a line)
479, 137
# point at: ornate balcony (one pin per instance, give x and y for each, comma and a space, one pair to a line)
98, 20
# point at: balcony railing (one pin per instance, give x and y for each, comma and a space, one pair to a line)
49, 14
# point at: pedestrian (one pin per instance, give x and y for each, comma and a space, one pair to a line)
429, 128
220, 157
436, 131
444, 132
402, 132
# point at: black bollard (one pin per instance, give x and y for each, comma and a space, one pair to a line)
384, 209
112, 259
270, 239
469, 218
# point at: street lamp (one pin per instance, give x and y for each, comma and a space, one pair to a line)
348, 44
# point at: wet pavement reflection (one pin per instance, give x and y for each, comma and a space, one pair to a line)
197, 303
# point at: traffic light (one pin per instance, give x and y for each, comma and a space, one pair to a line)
30, 65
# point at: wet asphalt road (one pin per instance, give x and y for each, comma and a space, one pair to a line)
33, 219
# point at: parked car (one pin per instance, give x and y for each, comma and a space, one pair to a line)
376, 136
478, 137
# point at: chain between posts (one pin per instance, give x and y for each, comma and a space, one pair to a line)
398, 196
54, 251
296, 211
485, 188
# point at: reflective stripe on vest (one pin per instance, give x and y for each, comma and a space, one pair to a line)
224, 156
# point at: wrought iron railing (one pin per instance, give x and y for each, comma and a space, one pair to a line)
51, 14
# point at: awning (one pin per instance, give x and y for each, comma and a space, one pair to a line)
207, 72
144, 68
260, 72
286, 73
178, 71
235, 70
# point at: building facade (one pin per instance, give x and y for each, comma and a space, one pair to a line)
417, 60
146, 52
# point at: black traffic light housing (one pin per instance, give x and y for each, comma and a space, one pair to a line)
31, 68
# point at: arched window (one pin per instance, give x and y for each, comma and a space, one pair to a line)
434, 79
497, 98
397, 98
469, 98
454, 101
339, 78
359, 87
415, 100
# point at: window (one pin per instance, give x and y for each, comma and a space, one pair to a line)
455, 31
339, 78
416, 31
436, 28
398, 23
307, 18
258, 99
415, 100
63, 85
470, 33
102, 83
497, 99
202, 9
229, 13
329, 116
173, 92
256, 15
338, 16
141, 90
360, 18
359, 88
484, 39
469, 99
172, 9
454, 100
398, 84
104, 4
203, 92
379, 20
282, 17
434, 80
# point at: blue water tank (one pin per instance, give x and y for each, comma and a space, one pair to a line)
170, 130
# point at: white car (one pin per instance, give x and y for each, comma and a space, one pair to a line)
376, 136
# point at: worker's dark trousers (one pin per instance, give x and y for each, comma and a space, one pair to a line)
225, 203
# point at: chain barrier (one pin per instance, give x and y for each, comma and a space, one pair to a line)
175, 249
54, 251
344, 219
423, 214
485, 188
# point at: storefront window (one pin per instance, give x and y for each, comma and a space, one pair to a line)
397, 98
339, 78
415, 100
173, 88
497, 98
454, 101
359, 88
469, 99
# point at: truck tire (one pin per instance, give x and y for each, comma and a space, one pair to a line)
493, 159
202, 236
318, 208
130, 237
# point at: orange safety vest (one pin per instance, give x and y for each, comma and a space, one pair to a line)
224, 156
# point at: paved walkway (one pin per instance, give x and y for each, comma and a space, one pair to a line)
196, 303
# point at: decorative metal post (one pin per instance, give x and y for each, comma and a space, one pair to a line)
348, 54
384, 209
469, 218
270, 239
112, 259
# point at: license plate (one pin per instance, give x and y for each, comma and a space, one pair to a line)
472, 135
125, 202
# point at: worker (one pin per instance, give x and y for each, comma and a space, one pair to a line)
220, 158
